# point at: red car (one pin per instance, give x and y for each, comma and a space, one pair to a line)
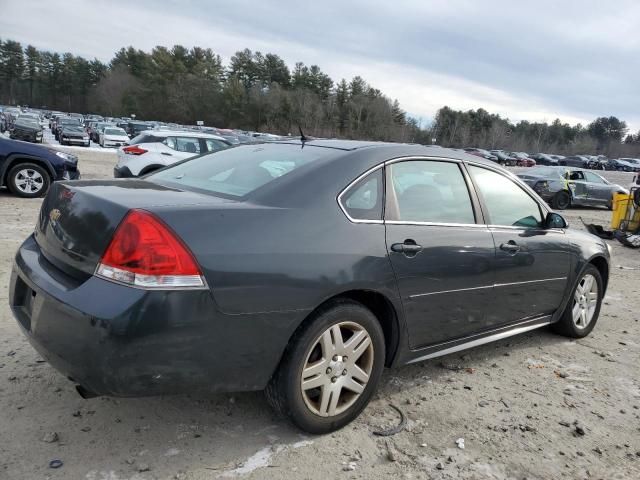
524, 160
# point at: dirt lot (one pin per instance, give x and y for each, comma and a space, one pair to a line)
515, 403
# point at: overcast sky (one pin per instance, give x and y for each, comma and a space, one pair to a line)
534, 60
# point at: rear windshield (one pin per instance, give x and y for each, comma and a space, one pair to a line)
146, 138
238, 171
545, 171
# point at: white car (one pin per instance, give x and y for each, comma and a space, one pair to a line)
113, 137
155, 149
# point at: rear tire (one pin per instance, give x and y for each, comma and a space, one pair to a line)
317, 356
582, 311
561, 200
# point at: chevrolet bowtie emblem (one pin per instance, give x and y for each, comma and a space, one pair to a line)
55, 214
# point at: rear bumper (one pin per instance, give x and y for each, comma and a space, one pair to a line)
123, 341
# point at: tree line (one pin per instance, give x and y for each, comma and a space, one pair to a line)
257, 91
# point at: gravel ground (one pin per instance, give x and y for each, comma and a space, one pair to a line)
535, 406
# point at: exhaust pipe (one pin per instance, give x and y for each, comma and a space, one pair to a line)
84, 393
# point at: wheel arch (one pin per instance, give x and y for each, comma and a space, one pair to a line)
150, 168
379, 305
602, 265
13, 160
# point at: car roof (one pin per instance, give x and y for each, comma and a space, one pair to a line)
392, 149
163, 132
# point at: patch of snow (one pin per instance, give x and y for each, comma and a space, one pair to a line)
262, 458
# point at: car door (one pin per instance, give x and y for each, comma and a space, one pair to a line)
598, 190
578, 185
531, 262
440, 250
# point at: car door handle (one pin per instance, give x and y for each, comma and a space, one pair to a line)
510, 247
409, 247
167, 154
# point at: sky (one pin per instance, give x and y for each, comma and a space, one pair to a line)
535, 60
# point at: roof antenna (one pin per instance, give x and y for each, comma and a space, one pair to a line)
302, 136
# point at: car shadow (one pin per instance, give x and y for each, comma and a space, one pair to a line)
221, 431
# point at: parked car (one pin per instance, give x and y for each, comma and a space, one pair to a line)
219, 273
28, 169
523, 159
96, 128
155, 149
504, 158
544, 159
578, 161
26, 129
563, 187
630, 164
73, 134
113, 137
134, 129
479, 152
62, 122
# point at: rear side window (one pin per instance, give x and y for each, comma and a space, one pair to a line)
428, 191
507, 203
183, 144
363, 201
238, 171
214, 145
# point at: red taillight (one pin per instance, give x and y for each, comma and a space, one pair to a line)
146, 253
134, 150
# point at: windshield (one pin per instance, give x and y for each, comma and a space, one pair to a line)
114, 131
238, 171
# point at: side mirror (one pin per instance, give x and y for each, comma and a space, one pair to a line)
555, 220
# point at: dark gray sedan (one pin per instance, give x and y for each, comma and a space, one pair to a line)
302, 268
563, 187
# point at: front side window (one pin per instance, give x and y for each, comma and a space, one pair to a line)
363, 201
428, 191
507, 203
593, 178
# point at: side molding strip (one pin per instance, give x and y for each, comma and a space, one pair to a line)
480, 341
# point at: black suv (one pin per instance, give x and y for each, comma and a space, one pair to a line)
28, 169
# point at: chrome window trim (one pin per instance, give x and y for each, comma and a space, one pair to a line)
346, 189
436, 224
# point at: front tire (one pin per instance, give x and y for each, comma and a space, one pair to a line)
28, 180
330, 369
582, 311
561, 200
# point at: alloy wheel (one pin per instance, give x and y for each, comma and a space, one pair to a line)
29, 181
337, 369
585, 301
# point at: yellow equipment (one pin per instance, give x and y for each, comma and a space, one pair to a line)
626, 214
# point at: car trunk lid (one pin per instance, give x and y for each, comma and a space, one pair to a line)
77, 220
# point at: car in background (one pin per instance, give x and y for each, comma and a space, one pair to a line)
544, 159
134, 129
62, 122
27, 129
578, 161
112, 136
504, 158
73, 134
563, 187
632, 164
523, 159
28, 169
227, 272
480, 152
96, 127
155, 149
